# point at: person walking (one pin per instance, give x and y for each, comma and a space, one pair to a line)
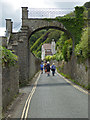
48, 68
45, 69
41, 65
53, 68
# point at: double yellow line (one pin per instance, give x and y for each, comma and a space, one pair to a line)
28, 101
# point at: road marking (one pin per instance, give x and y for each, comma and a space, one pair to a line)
28, 101
26, 113
75, 86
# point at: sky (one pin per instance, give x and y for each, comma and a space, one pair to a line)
12, 9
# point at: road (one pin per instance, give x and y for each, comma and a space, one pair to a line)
53, 97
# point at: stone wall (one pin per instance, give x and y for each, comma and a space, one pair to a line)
3, 41
34, 65
28, 63
10, 85
23, 57
78, 72
35, 24
28, 66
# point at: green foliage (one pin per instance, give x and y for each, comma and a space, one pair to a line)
74, 25
60, 42
48, 58
64, 48
8, 58
74, 22
53, 57
71, 14
88, 87
81, 50
36, 44
45, 38
67, 49
40, 40
54, 34
64, 52
37, 54
79, 11
59, 56
36, 36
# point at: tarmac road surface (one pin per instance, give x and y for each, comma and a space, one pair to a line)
52, 97
55, 98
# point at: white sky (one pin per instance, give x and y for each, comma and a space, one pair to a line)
11, 8
36, 3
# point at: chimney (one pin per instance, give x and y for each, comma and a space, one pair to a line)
24, 15
9, 24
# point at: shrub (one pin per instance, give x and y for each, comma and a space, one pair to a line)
8, 58
81, 50
48, 58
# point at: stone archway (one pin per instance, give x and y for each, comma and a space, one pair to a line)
49, 27
34, 24
20, 40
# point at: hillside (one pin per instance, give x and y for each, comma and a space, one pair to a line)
44, 38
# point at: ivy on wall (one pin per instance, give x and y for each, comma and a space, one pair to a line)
74, 25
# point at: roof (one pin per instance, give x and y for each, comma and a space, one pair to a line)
47, 46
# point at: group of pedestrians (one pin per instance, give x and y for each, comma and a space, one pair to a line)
47, 67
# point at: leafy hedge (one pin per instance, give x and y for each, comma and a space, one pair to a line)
81, 50
8, 58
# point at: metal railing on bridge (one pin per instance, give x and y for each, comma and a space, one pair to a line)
48, 12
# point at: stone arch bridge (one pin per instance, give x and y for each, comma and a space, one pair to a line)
19, 41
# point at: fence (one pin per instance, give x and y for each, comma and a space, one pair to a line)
48, 12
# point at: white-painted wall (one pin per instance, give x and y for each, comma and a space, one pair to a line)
43, 53
53, 47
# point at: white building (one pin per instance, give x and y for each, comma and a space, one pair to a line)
48, 49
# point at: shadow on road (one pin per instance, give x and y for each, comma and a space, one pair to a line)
52, 84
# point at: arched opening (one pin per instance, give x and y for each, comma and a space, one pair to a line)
37, 50
50, 27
